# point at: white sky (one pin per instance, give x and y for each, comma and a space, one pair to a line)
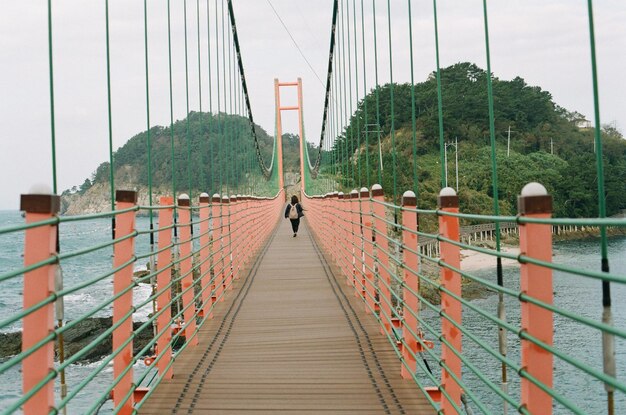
545, 42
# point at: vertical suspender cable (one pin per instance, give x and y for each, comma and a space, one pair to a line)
413, 126
218, 137
608, 339
496, 207
187, 138
59, 309
349, 96
111, 172
365, 118
149, 155
210, 117
439, 99
380, 154
225, 154
356, 89
393, 117
169, 49
201, 162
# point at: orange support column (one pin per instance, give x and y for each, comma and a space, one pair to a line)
164, 279
205, 265
343, 246
216, 253
186, 283
279, 136
536, 282
235, 220
227, 247
39, 245
382, 248
411, 284
367, 255
354, 237
123, 252
448, 201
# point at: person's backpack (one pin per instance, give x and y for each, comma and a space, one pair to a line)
293, 212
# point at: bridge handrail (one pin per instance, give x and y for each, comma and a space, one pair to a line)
203, 271
359, 233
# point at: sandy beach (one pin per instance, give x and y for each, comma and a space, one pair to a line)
473, 261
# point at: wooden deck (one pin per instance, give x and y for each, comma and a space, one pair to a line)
290, 338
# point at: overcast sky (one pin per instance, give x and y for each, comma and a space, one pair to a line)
545, 42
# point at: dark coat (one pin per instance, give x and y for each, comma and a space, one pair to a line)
298, 208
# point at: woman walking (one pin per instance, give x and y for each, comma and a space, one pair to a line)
294, 213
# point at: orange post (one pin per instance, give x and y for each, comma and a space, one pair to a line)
186, 282
164, 279
382, 257
205, 265
536, 282
448, 201
227, 247
368, 251
411, 285
216, 253
39, 245
354, 236
301, 131
345, 230
235, 203
122, 306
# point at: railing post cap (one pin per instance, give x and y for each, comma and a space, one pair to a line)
128, 196
40, 200
377, 190
447, 191
204, 198
225, 199
409, 198
183, 200
204, 194
340, 195
216, 195
534, 189
534, 200
234, 198
447, 198
354, 194
40, 189
364, 192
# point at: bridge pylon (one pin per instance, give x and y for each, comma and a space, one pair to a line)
279, 129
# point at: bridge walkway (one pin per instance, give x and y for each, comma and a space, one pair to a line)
289, 339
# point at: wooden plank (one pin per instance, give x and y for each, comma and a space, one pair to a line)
291, 342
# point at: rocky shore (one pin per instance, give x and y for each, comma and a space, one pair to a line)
77, 338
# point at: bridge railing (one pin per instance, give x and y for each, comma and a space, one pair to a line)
489, 360
197, 254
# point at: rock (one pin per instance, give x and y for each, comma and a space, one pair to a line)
78, 337
10, 344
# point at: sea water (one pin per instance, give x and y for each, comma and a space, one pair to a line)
579, 295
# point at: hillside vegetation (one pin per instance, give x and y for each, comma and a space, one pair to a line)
549, 144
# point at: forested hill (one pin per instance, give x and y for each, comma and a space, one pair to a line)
220, 149
549, 144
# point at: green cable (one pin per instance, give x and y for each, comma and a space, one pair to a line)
169, 44
413, 126
380, 166
349, 114
52, 117
219, 103
211, 187
393, 118
224, 118
367, 143
188, 139
356, 88
608, 340
110, 122
439, 99
496, 208
202, 181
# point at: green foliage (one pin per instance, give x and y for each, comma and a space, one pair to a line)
548, 144
220, 150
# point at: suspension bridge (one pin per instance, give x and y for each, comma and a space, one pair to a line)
245, 317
